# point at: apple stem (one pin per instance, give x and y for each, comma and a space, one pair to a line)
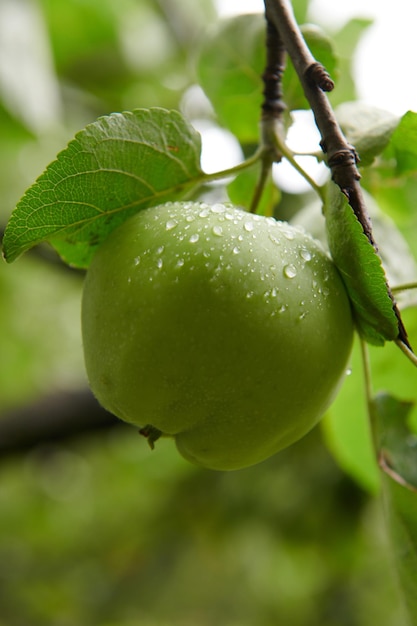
151, 433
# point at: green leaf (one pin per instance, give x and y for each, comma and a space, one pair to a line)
404, 143
118, 165
367, 128
346, 41
398, 459
229, 69
361, 270
397, 258
300, 8
346, 428
397, 445
242, 188
230, 66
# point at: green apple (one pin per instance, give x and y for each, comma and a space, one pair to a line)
228, 331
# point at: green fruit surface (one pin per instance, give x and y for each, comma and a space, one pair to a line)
229, 331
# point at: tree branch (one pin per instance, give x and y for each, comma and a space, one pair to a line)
341, 157
273, 105
53, 418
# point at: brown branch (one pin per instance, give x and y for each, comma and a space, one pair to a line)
54, 418
342, 158
273, 105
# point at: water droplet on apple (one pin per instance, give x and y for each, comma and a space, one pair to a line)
248, 226
194, 238
171, 224
290, 271
218, 231
305, 254
236, 250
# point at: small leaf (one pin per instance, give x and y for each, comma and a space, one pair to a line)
361, 270
367, 128
398, 459
118, 165
242, 188
404, 143
229, 69
346, 40
397, 445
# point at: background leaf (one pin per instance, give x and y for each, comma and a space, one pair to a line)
346, 428
346, 40
229, 67
241, 190
113, 168
404, 143
397, 445
368, 128
398, 450
361, 270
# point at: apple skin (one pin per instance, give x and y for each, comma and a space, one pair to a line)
229, 331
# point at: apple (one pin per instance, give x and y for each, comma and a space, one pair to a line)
228, 331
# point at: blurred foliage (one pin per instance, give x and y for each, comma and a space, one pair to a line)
103, 532
100, 530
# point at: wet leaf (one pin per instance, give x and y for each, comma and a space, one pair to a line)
361, 270
118, 165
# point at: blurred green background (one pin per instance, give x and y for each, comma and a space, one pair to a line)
96, 529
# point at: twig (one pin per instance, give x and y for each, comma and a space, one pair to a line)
273, 105
57, 417
342, 158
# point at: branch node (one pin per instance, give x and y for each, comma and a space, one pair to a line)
316, 74
344, 159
